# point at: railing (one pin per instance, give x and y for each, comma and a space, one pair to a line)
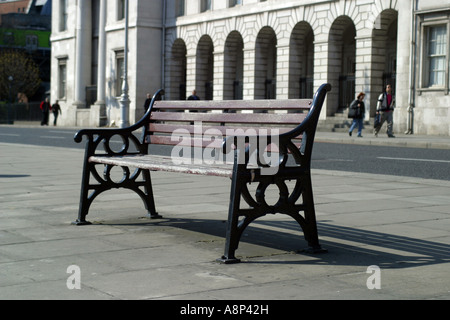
20, 112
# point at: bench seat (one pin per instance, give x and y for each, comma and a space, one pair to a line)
166, 163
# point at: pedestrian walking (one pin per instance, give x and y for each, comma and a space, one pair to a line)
45, 108
356, 111
56, 109
385, 112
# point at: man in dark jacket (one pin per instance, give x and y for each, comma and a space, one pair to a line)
358, 108
45, 108
147, 102
56, 109
193, 96
385, 110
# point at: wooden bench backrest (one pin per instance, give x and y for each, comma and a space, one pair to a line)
204, 119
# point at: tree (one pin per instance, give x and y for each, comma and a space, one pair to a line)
18, 73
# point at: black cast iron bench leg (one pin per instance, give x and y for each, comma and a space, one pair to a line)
86, 199
310, 227
149, 199
233, 232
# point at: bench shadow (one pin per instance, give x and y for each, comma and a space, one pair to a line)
352, 246
14, 176
355, 246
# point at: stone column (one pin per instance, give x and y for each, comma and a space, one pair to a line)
124, 100
191, 60
218, 75
321, 70
363, 72
249, 72
100, 104
282, 77
82, 51
404, 106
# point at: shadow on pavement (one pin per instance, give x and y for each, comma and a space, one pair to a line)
346, 245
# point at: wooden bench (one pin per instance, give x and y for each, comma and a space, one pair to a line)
266, 142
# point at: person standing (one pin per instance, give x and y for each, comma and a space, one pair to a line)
358, 109
45, 108
147, 102
193, 96
56, 109
385, 110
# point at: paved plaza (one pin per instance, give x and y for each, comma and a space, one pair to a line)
388, 237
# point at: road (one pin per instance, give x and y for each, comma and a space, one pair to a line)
398, 161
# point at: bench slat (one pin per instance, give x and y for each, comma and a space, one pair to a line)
244, 118
164, 163
200, 142
291, 104
212, 130
178, 141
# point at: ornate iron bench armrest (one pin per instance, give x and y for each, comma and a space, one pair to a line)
96, 136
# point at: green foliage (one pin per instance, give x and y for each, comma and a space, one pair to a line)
18, 37
22, 69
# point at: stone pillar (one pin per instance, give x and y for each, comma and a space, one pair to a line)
218, 84
404, 111
282, 78
249, 72
191, 72
82, 51
100, 104
363, 72
321, 72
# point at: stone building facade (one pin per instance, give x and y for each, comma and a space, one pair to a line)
253, 49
